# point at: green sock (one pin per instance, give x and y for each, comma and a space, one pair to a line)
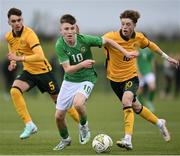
151, 95
83, 120
64, 133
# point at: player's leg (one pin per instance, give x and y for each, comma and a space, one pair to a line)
64, 102
82, 94
63, 131
125, 92
128, 121
149, 116
16, 92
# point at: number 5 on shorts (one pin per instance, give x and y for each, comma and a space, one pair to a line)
51, 85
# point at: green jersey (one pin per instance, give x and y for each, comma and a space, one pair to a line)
75, 54
145, 60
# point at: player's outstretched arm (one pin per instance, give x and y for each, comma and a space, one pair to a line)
132, 54
157, 49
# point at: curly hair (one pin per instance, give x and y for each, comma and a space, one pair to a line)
133, 15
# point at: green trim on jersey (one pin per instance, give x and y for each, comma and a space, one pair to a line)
145, 60
78, 53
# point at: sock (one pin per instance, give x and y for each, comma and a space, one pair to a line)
128, 138
151, 96
83, 120
128, 120
74, 114
64, 133
148, 115
159, 123
20, 104
30, 123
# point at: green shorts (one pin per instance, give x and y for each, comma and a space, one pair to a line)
46, 82
129, 85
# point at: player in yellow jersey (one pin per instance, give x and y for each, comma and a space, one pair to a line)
122, 73
24, 46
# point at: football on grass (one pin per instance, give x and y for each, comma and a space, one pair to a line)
102, 143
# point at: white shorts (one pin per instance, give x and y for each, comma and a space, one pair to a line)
147, 79
69, 90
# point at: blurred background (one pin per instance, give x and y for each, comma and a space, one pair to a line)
159, 20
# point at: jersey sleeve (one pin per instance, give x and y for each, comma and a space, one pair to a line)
144, 42
33, 40
93, 41
60, 53
108, 35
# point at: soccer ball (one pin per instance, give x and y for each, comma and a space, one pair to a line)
102, 143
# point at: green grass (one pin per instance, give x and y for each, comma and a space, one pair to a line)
105, 116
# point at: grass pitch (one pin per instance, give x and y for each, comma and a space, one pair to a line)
104, 115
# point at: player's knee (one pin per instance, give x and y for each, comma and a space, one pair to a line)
127, 101
137, 109
59, 117
77, 106
15, 92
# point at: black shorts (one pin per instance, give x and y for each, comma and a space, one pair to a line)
46, 82
129, 85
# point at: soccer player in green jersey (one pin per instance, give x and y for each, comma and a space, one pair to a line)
147, 83
74, 52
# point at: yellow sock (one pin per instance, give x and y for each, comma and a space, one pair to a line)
148, 115
128, 120
20, 104
74, 114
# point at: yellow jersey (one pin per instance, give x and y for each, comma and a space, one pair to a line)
120, 68
23, 44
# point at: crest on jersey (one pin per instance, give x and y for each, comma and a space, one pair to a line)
83, 49
68, 52
22, 43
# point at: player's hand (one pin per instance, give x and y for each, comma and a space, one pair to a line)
132, 54
87, 63
11, 56
11, 66
173, 61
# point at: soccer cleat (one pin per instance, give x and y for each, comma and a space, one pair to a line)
123, 143
28, 130
84, 133
164, 131
63, 144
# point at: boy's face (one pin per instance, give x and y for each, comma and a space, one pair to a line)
127, 27
68, 31
16, 22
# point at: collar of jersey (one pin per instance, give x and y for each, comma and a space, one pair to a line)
74, 43
125, 38
19, 33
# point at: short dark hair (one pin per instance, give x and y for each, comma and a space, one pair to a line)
67, 18
14, 11
133, 15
